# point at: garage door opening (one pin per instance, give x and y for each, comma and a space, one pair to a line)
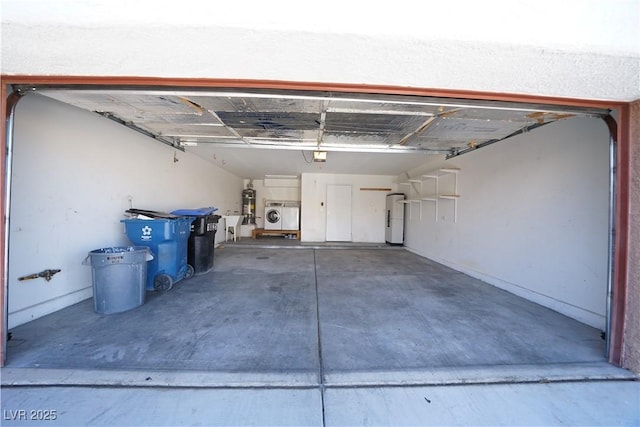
94, 165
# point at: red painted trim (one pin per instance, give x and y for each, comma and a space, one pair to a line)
3, 177
308, 86
622, 135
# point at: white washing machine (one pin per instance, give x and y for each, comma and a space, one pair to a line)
273, 216
291, 216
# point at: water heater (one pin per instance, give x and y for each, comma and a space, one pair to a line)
249, 205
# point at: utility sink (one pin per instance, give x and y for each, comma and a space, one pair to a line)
232, 222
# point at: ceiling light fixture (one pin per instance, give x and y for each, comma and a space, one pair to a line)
319, 156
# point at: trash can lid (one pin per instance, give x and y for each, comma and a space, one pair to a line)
151, 214
195, 212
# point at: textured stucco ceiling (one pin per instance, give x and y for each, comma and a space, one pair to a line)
587, 49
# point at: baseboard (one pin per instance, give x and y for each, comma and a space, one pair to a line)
584, 316
33, 312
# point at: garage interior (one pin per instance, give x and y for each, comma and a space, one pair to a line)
503, 274
523, 249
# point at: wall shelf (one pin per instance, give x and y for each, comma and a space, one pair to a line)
409, 202
451, 192
440, 172
412, 182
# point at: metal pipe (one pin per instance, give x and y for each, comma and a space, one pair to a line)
12, 102
612, 236
525, 129
142, 131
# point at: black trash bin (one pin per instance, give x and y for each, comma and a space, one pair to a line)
200, 247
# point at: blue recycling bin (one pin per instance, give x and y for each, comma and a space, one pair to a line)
167, 239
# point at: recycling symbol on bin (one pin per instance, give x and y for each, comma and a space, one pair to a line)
146, 232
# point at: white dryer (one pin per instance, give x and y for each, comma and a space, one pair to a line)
291, 216
273, 216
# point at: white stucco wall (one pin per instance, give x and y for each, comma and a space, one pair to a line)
73, 174
367, 209
532, 217
631, 351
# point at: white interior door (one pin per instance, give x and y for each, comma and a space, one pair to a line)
338, 213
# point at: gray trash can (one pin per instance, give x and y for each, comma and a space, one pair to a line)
119, 276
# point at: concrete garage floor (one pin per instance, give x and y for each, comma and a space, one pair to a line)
306, 336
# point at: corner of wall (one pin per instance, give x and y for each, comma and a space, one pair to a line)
631, 336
